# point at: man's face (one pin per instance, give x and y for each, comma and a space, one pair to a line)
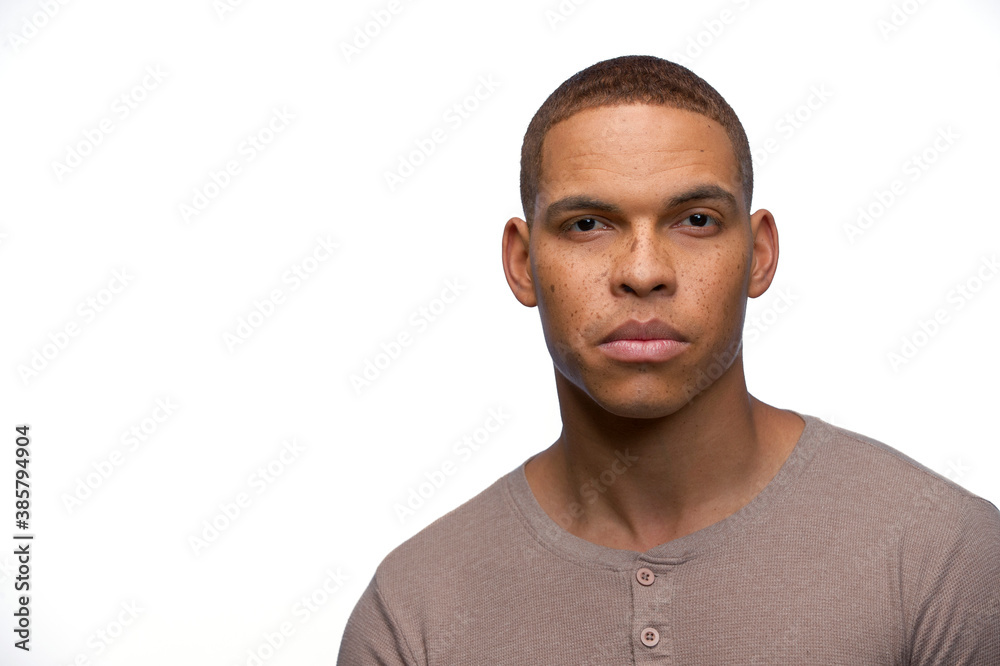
639, 219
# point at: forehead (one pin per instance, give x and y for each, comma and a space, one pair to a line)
618, 150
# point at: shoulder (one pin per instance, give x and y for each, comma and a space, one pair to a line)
928, 515
938, 541
432, 587
862, 461
871, 494
452, 551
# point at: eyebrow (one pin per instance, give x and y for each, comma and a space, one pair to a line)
584, 202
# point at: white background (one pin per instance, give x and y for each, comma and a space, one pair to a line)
888, 90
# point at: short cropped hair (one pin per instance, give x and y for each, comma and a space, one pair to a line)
622, 81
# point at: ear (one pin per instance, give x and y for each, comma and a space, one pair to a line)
517, 261
764, 259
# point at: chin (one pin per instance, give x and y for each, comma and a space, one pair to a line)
636, 410
645, 403
644, 394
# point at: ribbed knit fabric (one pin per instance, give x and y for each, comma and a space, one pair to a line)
853, 554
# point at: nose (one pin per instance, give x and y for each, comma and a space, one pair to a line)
643, 264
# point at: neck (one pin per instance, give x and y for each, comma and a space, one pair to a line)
636, 483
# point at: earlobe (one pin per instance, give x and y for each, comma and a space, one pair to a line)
764, 257
517, 261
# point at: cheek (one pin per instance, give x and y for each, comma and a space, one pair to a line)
560, 293
717, 290
567, 311
563, 304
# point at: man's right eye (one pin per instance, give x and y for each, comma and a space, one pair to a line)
585, 224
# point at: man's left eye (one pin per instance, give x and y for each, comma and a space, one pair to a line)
701, 220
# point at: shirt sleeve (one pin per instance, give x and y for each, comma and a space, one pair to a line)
372, 637
957, 622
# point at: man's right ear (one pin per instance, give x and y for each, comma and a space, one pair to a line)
517, 261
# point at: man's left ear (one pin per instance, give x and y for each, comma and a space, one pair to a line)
764, 260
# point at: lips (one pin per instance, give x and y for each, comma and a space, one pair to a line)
652, 341
653, 329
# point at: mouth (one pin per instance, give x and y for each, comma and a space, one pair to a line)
652, 341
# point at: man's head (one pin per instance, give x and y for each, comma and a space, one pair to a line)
629, 80
643, 251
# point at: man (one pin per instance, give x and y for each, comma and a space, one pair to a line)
677, 519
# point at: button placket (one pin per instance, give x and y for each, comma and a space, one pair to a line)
652, 591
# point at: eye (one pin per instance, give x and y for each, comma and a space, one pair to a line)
584, 224
701, 220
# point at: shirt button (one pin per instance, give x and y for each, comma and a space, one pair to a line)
650, 637
645, 576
